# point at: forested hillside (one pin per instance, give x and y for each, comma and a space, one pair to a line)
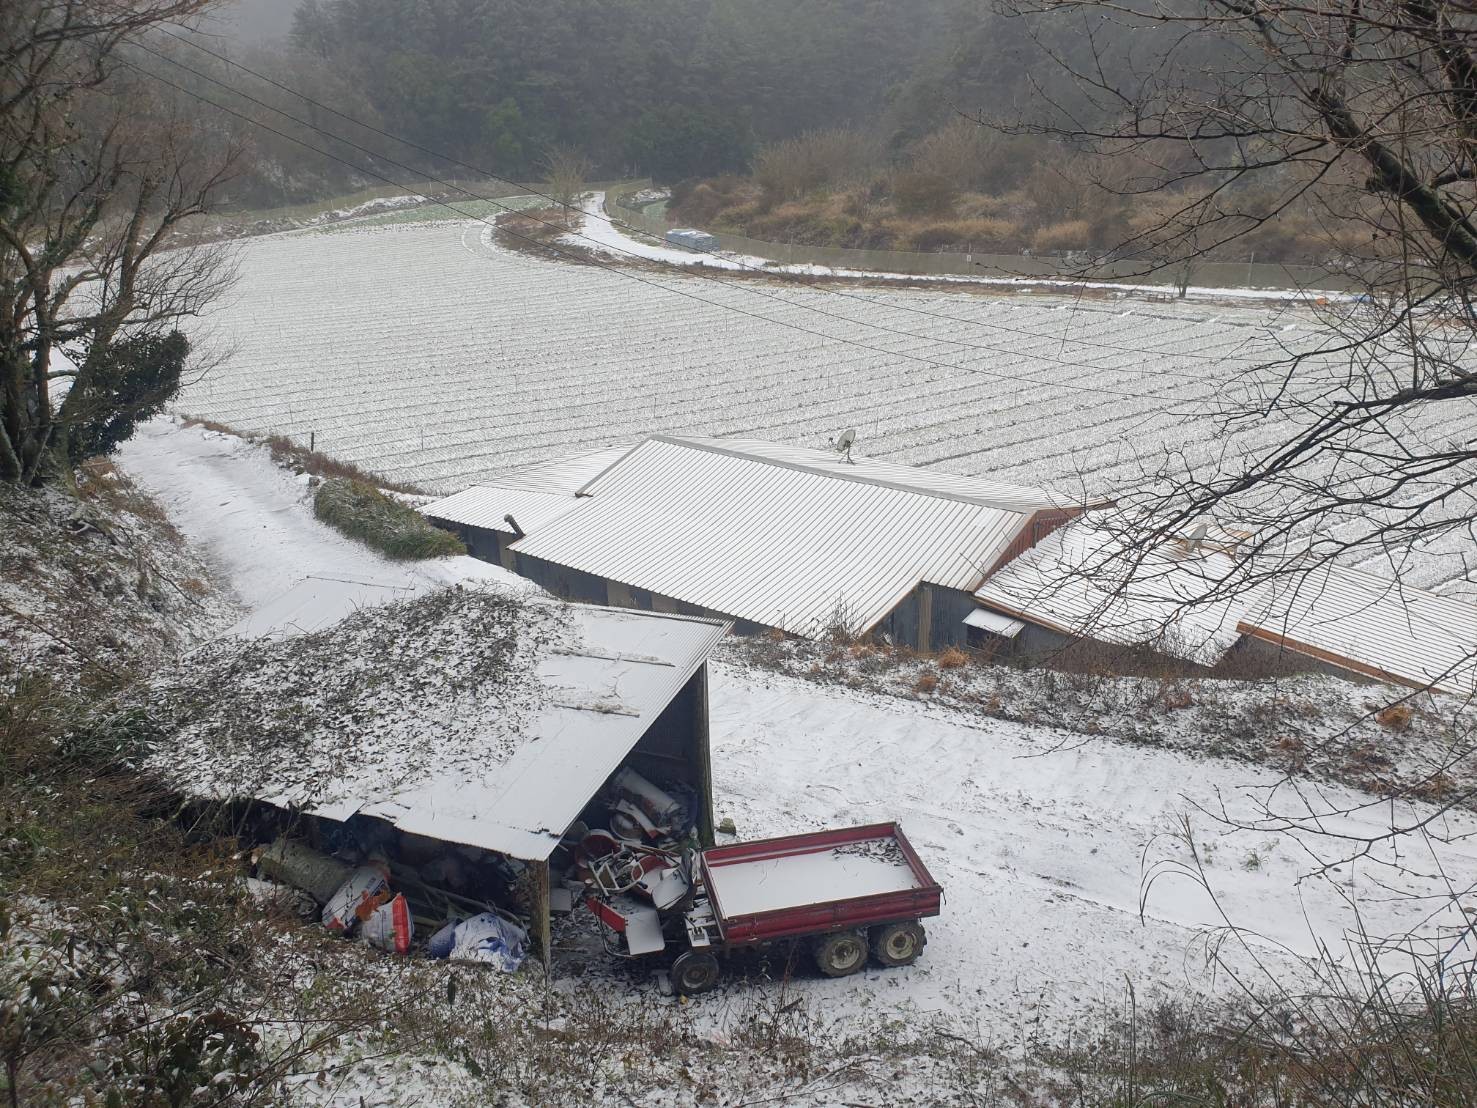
675, 89
659, 85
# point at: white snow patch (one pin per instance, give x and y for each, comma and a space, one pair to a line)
256, 519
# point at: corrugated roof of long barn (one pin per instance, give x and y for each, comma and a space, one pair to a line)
1381, 627
974, 490
779, 535
533, 494
1069, 583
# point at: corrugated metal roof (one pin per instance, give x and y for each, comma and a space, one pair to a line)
601, 677
976, 490
533, 495
1063, 583
486, 506
1372, 625
562, 476
769, 534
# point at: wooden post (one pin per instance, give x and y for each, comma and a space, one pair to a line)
925, 618
704, 759
541, 913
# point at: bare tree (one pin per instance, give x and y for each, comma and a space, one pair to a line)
842, 156
1358, 115
567, 169
97, 175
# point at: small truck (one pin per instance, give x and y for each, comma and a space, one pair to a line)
849, 894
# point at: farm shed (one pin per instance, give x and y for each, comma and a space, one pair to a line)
768, 535
1360, 623
1067, 592
468, 717
531, 495
1068, 589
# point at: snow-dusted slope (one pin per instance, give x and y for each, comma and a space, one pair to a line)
1041, 838
256, 520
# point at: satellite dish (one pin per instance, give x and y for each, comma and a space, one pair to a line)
1197, 536
844, 443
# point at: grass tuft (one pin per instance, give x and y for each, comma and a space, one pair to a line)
396, 530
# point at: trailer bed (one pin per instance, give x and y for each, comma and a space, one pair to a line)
830, 879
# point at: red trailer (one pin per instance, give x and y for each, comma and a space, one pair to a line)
849, 893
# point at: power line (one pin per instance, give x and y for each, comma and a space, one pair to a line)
628, 274
628, 229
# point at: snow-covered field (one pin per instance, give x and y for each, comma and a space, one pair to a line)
427, 352
1041, 838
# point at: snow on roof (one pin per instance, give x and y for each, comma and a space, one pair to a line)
782, 536
978, 490
533, 495
488, 506
562, 476
1069, 583
1370, 624
463, 714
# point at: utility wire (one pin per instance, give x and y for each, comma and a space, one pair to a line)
628, 229
626, 273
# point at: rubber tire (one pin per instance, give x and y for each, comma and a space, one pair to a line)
898, 944
841, 953
695, 972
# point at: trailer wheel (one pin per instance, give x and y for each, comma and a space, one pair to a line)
694, 972
840, 953
898, 944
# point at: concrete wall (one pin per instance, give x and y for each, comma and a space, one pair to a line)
1252, 658
483, 543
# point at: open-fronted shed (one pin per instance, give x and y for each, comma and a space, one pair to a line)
469, 716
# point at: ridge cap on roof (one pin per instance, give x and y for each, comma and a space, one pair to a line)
1045, 500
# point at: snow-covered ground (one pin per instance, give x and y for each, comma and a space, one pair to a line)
429, 353
256, 521
1041, 839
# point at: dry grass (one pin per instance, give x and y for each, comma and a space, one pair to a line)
927, 682
952, 658
292, 455
1396, 717
1056, 238
965, 189
396, 530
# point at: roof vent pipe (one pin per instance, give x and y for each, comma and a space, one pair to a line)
513, 523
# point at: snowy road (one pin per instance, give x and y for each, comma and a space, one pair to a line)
255, 520
1039, 838
601, 233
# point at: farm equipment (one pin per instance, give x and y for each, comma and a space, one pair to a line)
848, 894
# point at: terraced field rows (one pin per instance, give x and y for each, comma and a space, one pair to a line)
427, 353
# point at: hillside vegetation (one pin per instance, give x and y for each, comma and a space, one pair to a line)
967, 189
396, 530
